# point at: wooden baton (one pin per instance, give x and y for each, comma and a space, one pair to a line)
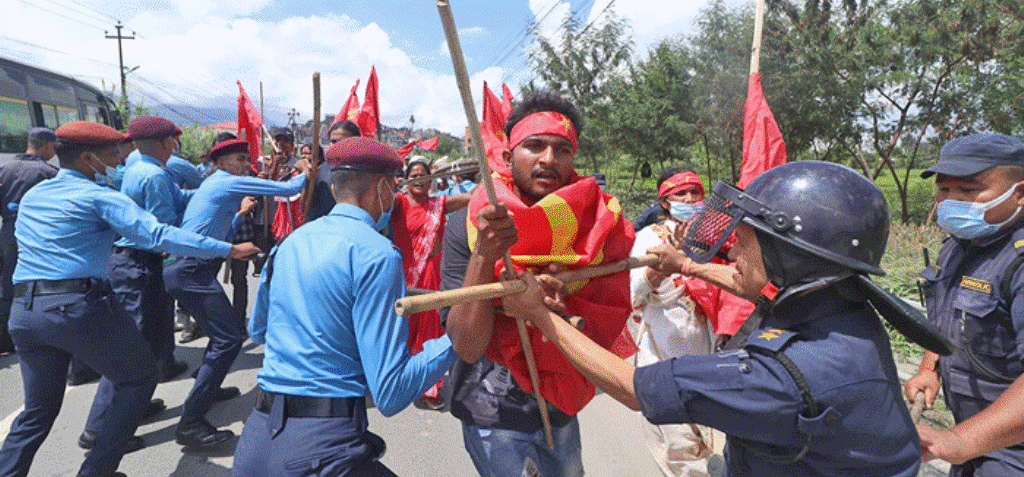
444, 9
432, 301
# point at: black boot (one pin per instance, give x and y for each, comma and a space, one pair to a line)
200, 433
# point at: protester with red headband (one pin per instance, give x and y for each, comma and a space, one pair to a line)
548, 214
676, 315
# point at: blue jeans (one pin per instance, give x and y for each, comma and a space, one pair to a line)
504, 453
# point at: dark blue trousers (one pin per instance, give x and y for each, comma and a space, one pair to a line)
193, 282
8, 259
274, 444
49, 330
1005, 462
138, 282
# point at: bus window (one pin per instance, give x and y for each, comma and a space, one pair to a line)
52, 116
94, 113
14, 124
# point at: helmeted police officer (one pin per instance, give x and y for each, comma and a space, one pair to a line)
974, 296
812, 389
16, 178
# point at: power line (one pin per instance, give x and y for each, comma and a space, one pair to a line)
61, 15
55, 51
523, 35
78, 12
93, 9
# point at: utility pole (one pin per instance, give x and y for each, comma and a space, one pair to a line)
120, 58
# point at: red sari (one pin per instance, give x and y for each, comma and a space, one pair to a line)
418, 227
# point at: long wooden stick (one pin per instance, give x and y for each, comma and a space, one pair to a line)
432, 301
307, 196
439, 175
755, 49
462, 78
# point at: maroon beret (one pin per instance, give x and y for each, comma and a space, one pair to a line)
151, 127
230, 146
89, 134
363, 154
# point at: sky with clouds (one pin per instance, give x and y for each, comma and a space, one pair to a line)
192, 51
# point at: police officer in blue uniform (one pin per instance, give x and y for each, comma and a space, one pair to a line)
63, 302
812, 390
974, 296
325, 312
16, 178
136, 273
193, 282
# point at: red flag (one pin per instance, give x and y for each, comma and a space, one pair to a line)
429, 144
506, 101
351, 108
406, 149
577, 226
763, 147
250, 123
369, 115
493, 129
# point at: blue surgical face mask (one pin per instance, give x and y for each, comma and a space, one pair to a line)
966, 220
104, 178
385, 217
683, 211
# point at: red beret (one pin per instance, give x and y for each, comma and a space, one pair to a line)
230, 146
363, 154
89, 134
151, 127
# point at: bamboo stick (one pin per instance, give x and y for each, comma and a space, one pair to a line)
307, 196
462, 78
431, 301
439, 175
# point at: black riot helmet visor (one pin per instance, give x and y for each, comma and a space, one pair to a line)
824, 210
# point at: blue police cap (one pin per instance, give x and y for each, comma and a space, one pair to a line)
969, 155
42, 134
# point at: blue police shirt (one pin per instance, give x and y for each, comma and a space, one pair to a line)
214, 205
327, 316
185, 175
147, 182
66, 225
863, 427
460, 188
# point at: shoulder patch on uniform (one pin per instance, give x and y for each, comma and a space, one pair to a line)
976, 284
772, 339
1018, 244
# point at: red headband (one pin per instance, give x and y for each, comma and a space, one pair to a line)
678, 182
544, 122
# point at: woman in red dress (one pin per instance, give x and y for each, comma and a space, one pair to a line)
418, 222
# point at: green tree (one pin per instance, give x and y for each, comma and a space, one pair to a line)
579, 65
918, 68
195, 142
650, 115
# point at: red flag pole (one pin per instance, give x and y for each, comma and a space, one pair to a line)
462, 78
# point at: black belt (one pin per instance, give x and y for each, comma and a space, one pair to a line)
54, 287
306, 406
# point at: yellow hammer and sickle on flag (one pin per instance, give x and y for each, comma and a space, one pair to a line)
567, 123
770, 334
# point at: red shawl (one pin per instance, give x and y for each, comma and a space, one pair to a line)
577, 225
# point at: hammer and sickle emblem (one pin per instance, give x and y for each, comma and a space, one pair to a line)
770, 334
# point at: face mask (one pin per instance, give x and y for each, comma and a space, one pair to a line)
683, 211
966, 220
103, 178
385, 218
